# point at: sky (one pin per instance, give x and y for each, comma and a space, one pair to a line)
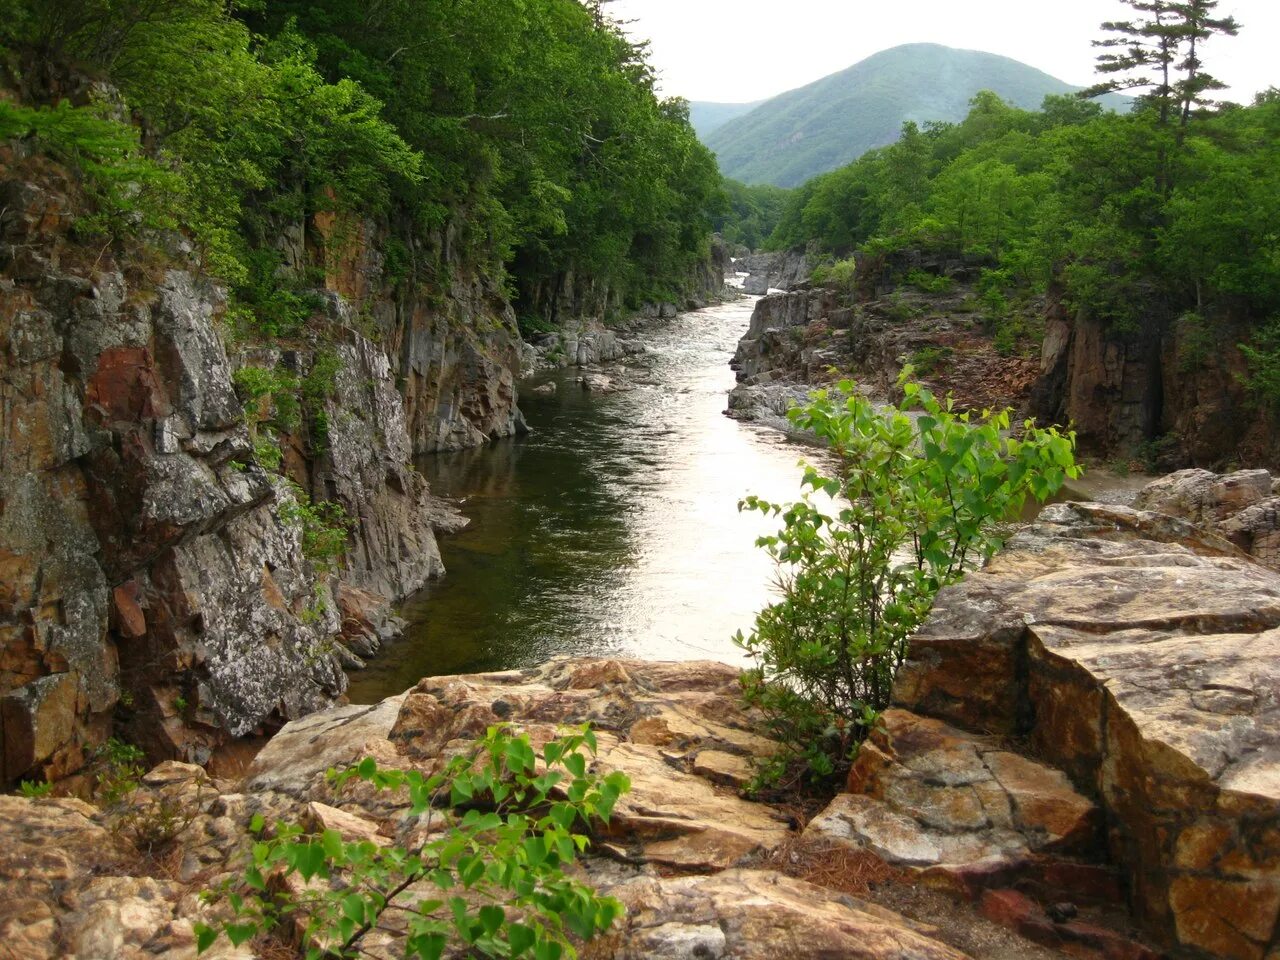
742, 50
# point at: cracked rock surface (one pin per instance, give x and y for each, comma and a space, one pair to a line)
1140, 655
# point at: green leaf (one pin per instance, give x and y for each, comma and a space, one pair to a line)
521, 938
205, 937
491, 918
239, 933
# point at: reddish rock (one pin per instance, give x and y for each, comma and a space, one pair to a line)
1009, 908
124, 387
130, 620
1141, 655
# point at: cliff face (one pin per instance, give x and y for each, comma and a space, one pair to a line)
143, 561
149, 578
1177, 391
453, 345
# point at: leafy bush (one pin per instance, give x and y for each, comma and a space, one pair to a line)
1263, 358
843, 274
120, 768
324, 526
491, 875
927, 359
32, 789
927, 282
915, 500
128, 190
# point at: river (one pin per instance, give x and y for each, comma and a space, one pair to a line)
612, 528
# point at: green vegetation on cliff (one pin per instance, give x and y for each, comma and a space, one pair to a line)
525, 138
1141, 219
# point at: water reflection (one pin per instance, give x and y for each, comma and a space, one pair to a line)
612, 528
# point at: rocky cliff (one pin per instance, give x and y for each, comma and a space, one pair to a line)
812, 334
1169, 398
781, 270
1091, 718
152, 579
1175, 392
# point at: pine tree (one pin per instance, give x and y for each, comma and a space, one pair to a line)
1197, 25
1159, 50
1149, 43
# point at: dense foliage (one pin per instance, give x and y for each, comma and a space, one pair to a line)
751, 214
914, 500
501, 827
1164, 214
527, 132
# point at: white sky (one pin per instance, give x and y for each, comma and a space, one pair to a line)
742, 50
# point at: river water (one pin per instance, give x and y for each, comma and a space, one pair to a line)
612, 528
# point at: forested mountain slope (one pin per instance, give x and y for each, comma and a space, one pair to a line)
816, 128
706, 116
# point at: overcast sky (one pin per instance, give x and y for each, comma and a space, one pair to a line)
742, 50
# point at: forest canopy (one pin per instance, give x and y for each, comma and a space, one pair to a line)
528, 132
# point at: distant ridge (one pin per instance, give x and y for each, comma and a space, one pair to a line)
706, 116
796, 135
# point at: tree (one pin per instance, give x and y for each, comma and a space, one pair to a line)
1197, 26
1160, 51
913, 503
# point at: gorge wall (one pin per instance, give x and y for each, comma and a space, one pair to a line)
154, 577
1172, 396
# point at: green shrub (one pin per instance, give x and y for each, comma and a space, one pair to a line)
120, 769
914, 501
128, 191
843, 274
324, 526
927, 359
32, 789
1262, 354
927, 282
492, 878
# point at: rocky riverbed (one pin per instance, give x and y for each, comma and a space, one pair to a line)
1088, 722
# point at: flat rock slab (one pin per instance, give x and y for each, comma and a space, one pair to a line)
653, 721
296, 758
760, 915
1141, 655
926, 795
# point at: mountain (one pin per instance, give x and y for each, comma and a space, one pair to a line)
707, 116
816, 128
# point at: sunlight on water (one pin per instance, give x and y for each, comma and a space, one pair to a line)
612, 528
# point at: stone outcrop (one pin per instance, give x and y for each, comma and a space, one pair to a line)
812, 334
150, 578
926, 795
453, 345
771, 271
141, 552
1139, 655
760, 915
678, 852
1176, 391
1241, 507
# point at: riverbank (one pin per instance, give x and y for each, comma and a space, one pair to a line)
596, 533
1060, 709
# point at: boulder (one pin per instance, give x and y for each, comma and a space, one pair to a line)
1140, 655
298, 756
1239, 506
653, 722
760, 915
928, 796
